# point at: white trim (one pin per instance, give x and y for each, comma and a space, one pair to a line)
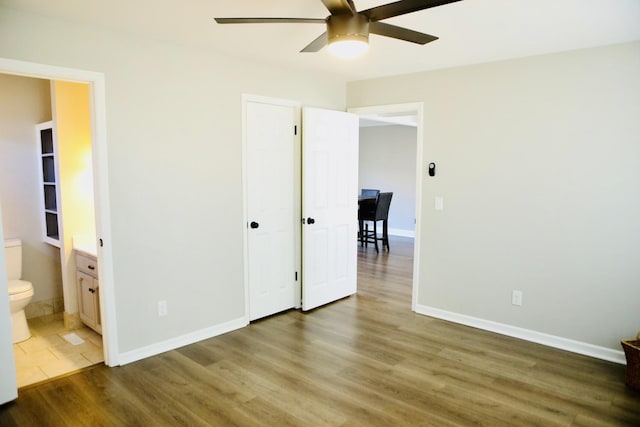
181, 341
44, 71
401, 233
418, 107
298, 205
245, 202
97, 96
604, 353
245, 214
101, 183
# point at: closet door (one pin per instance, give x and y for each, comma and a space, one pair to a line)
272, 217
329, 206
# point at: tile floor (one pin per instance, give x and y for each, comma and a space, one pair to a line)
47, 354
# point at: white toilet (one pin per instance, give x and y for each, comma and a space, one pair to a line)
20, 291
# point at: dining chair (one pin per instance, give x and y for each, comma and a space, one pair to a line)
380, 213
366, 208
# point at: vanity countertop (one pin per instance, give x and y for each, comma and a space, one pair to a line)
85, 244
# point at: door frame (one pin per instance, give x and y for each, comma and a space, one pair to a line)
246, 98
418, 108
96, 82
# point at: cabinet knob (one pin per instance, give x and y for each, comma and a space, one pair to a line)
92, 290
254, 224
311, 220
91, 267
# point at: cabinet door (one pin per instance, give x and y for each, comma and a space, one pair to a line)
87, 297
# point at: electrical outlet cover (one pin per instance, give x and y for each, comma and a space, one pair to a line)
516, 298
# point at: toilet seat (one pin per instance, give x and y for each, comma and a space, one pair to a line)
20, 287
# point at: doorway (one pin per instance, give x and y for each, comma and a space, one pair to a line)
100, 187
58, 343
410, 113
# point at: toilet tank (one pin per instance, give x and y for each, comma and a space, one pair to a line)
13, 256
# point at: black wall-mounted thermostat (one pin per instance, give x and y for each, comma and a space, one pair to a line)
432, 169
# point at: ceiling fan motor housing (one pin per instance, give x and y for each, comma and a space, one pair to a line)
348, 30
347, 27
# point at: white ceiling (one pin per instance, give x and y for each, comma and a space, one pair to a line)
470, 31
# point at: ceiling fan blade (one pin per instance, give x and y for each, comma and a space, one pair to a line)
269, 21
317, 44
382, 29
340, 7
401, 7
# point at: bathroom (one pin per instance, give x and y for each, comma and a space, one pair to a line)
59, 342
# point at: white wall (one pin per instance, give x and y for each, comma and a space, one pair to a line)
388, 163
24, 102
174, 155
72, 115
539, 165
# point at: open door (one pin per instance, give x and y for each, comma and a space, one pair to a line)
329, 206
8, 384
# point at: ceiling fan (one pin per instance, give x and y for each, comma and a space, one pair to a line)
348, 30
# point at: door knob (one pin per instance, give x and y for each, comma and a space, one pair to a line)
311, 220
254, 224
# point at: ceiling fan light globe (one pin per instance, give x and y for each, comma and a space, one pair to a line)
348, 35
348, 48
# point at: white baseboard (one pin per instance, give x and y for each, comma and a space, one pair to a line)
583, 348
401, 233
181, 341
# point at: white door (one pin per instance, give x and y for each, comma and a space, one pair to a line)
8, 382
329, 206
272, 176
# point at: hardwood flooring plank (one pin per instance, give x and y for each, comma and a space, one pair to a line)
157, 398
199, 354
281, 390
119, 403
180, 368
189, 388
29, 409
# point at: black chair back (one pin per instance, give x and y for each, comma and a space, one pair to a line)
382, 206
367, 209
369, 192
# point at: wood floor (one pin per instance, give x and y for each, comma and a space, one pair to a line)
366, 360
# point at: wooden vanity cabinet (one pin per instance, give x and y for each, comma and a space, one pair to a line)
88, 290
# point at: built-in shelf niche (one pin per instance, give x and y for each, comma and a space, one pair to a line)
48, 183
